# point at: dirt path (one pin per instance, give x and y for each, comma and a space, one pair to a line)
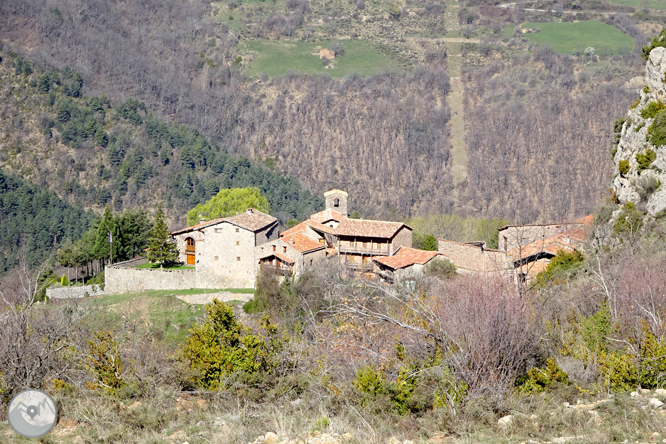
457, 123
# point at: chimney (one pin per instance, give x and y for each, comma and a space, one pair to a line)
291, 241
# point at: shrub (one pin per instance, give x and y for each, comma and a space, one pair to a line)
537, 380
563, 263
104, 361
645, 160
629, 221
652, 109
657, 131
659, 40
221, 346
441, 268
624, 167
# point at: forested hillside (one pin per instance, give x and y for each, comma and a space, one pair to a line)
34, 222
540, 134
95, 153
535, 123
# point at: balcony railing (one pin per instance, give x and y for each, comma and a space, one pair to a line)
359, 266
383, 251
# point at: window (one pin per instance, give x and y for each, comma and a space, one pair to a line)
237, 258
284, 249
310, 261
274, 248
216, 257
237, 230
336, 202
237, 242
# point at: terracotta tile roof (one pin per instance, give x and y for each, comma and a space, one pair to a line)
406, 257
321, 227
326, 215
330, 251
587, 220
302, 243
199, 226
296, 229
250, 219
369, 228
280, 256
567, 241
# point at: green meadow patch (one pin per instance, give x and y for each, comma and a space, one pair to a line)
640, 4
576, 37
275, 58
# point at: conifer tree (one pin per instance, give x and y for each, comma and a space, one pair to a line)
161, 249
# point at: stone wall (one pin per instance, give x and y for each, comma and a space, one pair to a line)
516, 236
74, 292
402, 239
471, 257
131, 280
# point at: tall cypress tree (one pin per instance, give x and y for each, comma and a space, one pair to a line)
161, 249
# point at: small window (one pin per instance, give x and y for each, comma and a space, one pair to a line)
237, 242
284, 249
274, 248
216, 257
336, 202
237, 258
310, 261
237, 230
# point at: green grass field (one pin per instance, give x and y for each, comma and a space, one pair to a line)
570, 37
158, 312
651, 4
275, 58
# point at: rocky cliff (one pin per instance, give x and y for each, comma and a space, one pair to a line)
640, 154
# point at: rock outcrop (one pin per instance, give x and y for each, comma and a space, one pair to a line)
638, 176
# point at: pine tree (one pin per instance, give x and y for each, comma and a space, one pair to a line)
161, 249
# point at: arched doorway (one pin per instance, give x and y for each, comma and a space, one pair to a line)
189, 251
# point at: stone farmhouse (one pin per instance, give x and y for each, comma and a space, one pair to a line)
474, 257
225, 248
529, 248
407, 263
525, 250
355, 242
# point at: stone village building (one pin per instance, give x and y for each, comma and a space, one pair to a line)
229, 252
224, 248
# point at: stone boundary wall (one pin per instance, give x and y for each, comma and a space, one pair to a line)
133, 280
472, 258
74, 292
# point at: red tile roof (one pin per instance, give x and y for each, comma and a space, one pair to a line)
302, 243
198, 226
250, 219
369, 228
567, 241
406, 257
326, 215
296, 229
282, 257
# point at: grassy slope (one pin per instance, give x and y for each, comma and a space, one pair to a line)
278, 57
651, 4
570, 37
158, 312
